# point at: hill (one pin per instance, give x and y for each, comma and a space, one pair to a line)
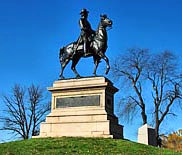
69, 145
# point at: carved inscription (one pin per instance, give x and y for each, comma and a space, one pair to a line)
78, 101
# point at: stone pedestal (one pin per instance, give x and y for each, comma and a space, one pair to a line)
146, 135
82, 107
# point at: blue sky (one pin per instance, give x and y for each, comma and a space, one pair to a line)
31, 33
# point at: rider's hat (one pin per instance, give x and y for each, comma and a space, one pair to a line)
103, 16
84, 11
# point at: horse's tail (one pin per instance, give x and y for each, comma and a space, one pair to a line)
61, 53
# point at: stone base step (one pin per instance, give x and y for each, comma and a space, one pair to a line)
76, 118
82, 129
73, 111
74, 127
76, 134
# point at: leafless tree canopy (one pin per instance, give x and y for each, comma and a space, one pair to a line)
165, 78
131, 67
161, 71
25, 110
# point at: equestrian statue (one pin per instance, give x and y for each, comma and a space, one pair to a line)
90, 43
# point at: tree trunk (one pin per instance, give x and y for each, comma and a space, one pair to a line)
157, 123
144, 116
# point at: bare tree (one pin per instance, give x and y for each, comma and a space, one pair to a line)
163, 73
156, 73
131, 67
25, 110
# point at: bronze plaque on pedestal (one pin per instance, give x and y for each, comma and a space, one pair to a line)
78, 101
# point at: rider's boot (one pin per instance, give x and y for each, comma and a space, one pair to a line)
85, 48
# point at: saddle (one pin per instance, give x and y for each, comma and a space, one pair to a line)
78, 46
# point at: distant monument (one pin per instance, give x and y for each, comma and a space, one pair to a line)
83, 106
146, 135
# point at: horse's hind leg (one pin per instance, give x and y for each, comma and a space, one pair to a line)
73, 66
63, 65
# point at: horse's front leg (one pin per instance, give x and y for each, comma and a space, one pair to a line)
103, 56
95, 69
96, 62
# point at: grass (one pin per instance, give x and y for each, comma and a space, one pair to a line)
81, 146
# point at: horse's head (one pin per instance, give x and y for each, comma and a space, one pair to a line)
105, 21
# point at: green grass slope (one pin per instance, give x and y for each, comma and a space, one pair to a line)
85, 146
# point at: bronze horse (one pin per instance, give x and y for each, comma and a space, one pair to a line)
97, 49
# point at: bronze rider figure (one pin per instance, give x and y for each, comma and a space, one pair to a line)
86, 31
